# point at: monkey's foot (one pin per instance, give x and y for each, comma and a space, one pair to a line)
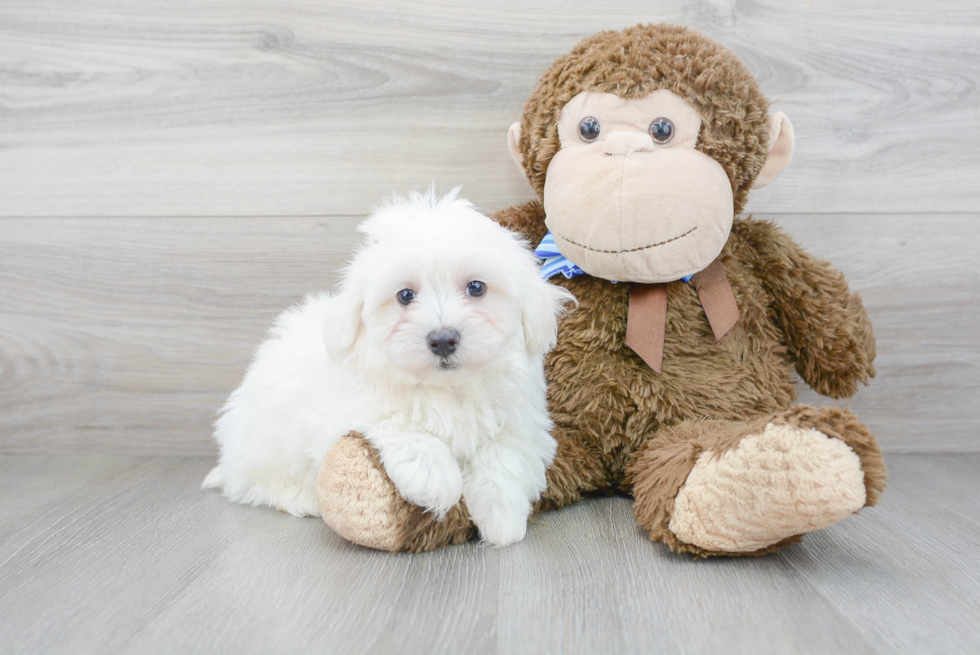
719, 488
359, 501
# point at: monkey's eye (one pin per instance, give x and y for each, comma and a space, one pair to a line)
589, 129
405, 296
662, 130
476, 288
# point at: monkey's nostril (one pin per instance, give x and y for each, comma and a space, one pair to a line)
443, 342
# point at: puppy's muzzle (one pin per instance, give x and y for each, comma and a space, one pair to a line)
443, 342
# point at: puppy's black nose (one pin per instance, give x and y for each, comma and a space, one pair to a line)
443, 342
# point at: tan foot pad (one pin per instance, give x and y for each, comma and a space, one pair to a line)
783, 482
357, 499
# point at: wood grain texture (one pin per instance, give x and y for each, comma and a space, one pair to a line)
113, 553
110, 325
925, 527
128, 334
219, 108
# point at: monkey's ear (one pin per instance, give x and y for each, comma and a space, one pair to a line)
514, 145
781, 141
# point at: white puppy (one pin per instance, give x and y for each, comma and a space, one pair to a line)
433, 348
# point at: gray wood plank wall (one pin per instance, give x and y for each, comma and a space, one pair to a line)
172, 174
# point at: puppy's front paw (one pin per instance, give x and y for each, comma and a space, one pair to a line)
500, 514
500, 527
425, 476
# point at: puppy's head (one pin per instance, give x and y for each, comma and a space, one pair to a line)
439, 291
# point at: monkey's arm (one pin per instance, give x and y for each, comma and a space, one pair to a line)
827, 329
526, 220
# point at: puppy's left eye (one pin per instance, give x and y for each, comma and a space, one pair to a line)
476, 288
406, 296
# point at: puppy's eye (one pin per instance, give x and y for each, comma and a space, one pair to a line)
476, 288
406, 296
589, 129
662, 130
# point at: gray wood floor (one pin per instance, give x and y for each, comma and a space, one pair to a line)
122, 553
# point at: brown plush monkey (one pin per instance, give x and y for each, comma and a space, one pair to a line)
642, 146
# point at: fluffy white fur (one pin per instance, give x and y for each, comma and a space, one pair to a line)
475, 424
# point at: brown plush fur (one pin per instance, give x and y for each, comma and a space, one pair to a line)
824, 326
620, 426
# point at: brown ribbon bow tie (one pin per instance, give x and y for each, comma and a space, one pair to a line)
647, 318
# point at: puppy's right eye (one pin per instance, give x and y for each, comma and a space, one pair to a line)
406, 296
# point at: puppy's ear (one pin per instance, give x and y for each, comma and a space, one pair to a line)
342, 322
544, 303
376, 226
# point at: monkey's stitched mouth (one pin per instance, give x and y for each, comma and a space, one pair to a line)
619, 252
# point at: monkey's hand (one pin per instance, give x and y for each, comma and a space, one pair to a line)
826, 327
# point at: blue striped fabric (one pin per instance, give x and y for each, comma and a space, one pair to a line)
555, 262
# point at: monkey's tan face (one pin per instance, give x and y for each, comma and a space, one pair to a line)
627, 197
